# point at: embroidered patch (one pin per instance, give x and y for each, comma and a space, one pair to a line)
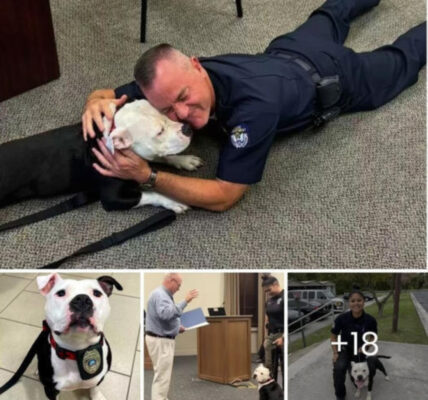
239, 136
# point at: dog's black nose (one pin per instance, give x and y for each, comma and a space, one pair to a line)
360, 377
186, 130
81, 303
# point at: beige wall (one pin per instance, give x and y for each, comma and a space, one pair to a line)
211, 294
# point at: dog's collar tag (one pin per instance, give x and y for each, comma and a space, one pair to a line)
90, 361
109, 144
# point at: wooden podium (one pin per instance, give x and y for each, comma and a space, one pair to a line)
27, 45
224, 349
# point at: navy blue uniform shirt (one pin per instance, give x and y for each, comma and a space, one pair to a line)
256, 97
275, 313
345, 324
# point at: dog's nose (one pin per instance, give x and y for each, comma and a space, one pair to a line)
81, 303
186, 130
360, 377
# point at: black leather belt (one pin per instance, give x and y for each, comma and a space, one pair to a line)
160, 336
303, 64
328, 89
276, 331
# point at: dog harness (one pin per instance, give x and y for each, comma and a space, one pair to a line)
89, 360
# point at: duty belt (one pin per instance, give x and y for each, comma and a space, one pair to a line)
160, 336
329, 90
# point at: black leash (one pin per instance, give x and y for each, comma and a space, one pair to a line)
77, 201
24, 365
150, 224
153, 223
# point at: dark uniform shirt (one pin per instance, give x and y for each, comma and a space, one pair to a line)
256, 97
275, 313
345, 324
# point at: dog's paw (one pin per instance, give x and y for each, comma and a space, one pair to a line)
369, 396
387, 378
178, 208
95, 394
192, 163
188, 163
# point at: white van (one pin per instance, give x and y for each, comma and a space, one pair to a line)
319, 295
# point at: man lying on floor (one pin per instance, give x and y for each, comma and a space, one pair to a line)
306, 77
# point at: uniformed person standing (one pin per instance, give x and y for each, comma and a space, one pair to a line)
274, 322
356, 320
303, 78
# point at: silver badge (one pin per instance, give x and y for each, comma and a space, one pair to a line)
239, 136
91, 361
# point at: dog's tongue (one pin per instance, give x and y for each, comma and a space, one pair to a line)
360, 384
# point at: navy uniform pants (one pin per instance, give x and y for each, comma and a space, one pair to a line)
370, 79
340, 368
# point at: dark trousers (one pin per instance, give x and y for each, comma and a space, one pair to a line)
340, 368
370, 79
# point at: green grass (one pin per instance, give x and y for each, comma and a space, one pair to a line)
410, 329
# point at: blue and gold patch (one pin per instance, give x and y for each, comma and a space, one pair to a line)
239, 137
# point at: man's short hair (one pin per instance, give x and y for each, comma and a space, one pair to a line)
144, 70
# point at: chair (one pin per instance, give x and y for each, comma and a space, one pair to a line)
144, 17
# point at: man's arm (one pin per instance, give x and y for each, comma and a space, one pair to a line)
167, 310
211, 194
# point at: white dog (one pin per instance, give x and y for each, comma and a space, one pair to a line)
363, 373
268, 388
72, 351
154, 137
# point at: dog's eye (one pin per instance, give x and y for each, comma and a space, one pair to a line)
97, 293
160, 132
60, 293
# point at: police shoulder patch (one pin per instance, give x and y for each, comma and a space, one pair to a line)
239, 137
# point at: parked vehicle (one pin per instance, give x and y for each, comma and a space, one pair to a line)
321, 296
307, 307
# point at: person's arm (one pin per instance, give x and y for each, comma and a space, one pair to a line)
211, 194
167, 310
333, 338
98, 105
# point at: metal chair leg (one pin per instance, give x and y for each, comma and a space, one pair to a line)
239, 8
143, 21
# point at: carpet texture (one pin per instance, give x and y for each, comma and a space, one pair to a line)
350, 196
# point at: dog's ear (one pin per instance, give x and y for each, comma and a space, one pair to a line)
352, 363
122, 139
107, 283
45, 283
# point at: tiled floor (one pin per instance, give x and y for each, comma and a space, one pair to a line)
21, 314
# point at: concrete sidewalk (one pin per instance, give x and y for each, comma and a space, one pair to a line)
310, 377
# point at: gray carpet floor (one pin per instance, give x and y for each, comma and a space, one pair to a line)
350, 196
185, 384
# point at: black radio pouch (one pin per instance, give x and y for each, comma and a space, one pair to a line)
329, 91
90, 361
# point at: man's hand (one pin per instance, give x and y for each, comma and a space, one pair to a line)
279, 342
182, 329
97, 105
335, 357
124, 164
191, 295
